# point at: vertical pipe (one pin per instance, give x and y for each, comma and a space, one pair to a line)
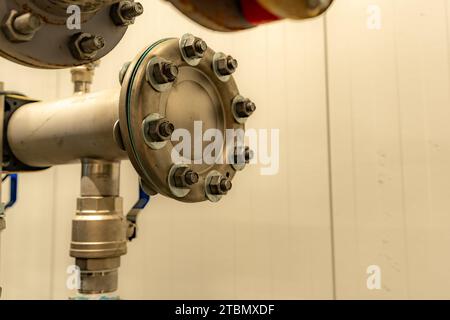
99, 228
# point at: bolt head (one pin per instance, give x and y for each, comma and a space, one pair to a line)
92, 44
165, 72
245, 108
166, 129
226, 66
195, 48
84, 46
243, 155
124, 12
160, 130
23, 31
185, 177
191, 177
220, 185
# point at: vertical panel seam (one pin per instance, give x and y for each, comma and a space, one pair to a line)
329, 154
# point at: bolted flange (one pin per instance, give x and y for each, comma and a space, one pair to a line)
196, 95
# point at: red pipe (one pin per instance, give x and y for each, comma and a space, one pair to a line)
257, 14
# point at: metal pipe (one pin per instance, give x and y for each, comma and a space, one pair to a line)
50, 133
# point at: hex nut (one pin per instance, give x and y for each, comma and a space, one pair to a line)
85, 46
195, 48
124, 13
220, 185
160, 130
245, 108
226, 66
165, 72
184, 177
21, 27
243, 155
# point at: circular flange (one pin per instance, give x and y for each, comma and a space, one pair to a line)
49, 46
197, 101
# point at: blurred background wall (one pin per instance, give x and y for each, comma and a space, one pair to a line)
361, 97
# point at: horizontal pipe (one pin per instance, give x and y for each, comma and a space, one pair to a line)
43, 134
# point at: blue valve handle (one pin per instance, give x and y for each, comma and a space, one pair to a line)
12, 189
142, 202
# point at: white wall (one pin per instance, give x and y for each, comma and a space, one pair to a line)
364, 176
390, 138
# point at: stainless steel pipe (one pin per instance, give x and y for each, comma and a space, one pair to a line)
43, 134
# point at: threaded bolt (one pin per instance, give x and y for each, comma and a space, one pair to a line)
232, 63
226, 66
195, 48
191, 177
131, 10
166, 129
92, 44
165, 72
201, 46
185, 177
160, 130
245, 108
220, 185
27, 23
243, 155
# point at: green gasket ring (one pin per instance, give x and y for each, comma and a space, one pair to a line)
128, 101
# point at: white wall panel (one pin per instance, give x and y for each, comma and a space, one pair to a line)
389, 107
